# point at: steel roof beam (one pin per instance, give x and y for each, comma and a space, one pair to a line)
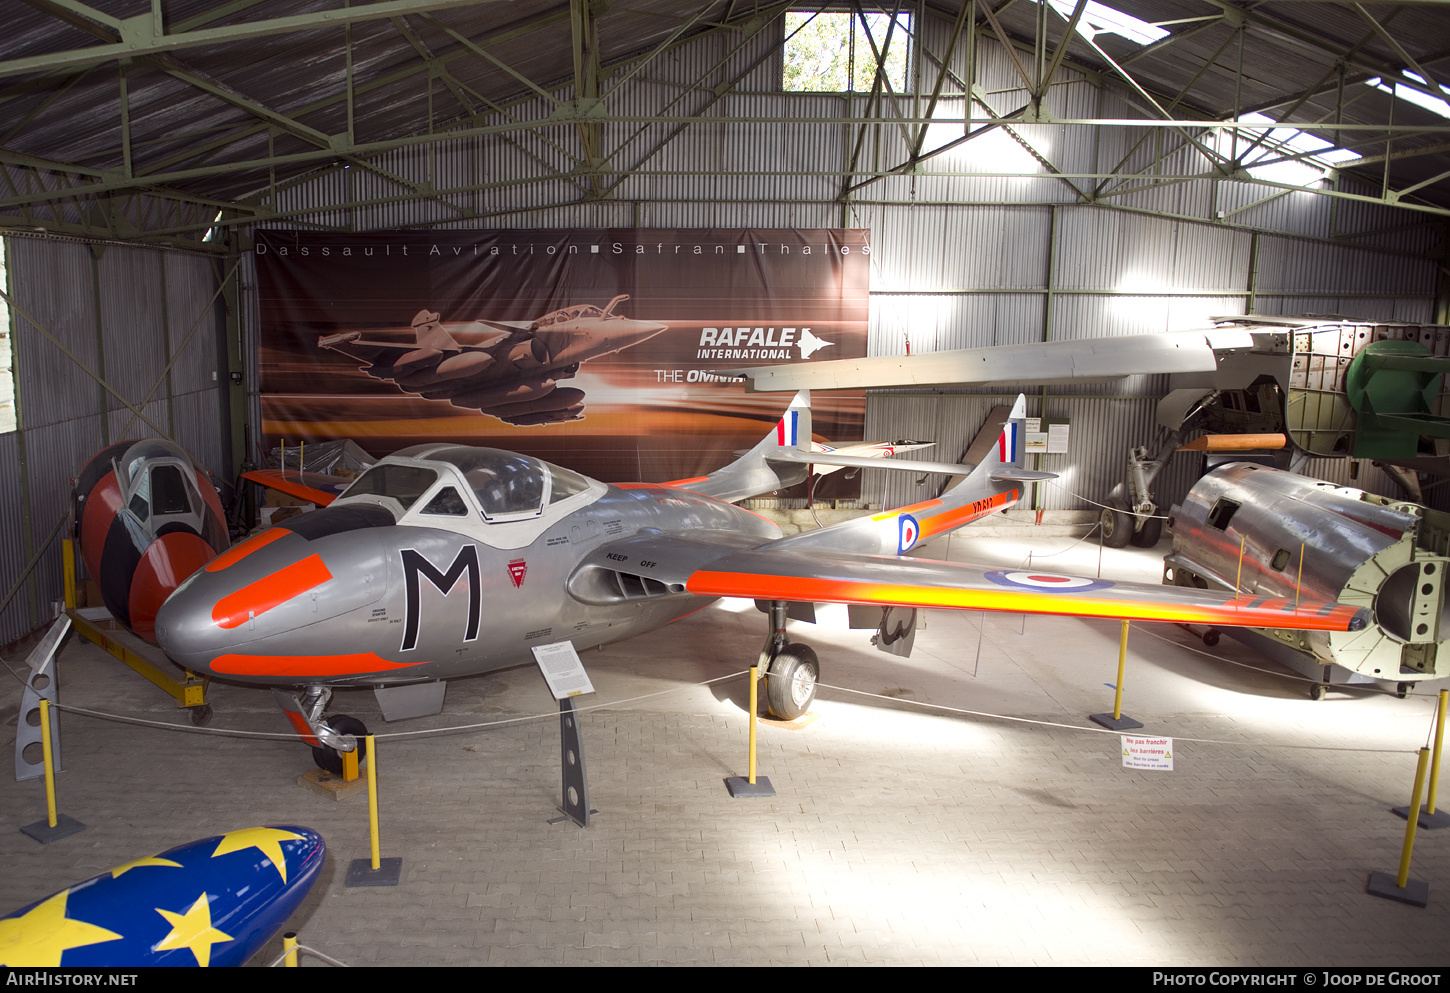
141, 35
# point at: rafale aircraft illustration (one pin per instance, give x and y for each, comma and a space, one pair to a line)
509, 369
444, 561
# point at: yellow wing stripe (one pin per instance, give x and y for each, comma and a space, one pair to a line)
1242, 612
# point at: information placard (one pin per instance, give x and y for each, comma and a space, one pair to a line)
562, 670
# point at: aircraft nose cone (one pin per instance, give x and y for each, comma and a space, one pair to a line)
259, 597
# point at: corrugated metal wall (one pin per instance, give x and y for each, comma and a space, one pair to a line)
142, 320
961, 260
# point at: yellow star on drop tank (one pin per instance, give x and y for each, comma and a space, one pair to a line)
267, 840
192, 930
41, 937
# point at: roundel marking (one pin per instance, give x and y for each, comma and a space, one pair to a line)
908, 531
1045, 581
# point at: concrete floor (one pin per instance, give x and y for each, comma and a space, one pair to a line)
900, 834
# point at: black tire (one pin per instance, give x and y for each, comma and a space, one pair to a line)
201, 716
331, 759
1210, 637
1402, 690
1116, 524
1148, 535
1318, 691
790, 683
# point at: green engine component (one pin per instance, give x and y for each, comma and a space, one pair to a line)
1392, 386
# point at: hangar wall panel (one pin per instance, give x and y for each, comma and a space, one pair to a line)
120, 312
15, 616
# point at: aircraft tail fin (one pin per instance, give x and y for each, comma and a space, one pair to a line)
1003, 460
430, 333
993, 484
756, 471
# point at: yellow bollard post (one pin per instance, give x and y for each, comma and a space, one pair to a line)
68, 569
1116, 721
376, 871
373, 805
1401, 887
50, 815
349, 765
1122, 668
754, 706
751, 785
289, 945
56, 825
1439, 748
1412, 822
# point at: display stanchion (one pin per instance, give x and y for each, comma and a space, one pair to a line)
56, 825
1116, 721
1402, 888
751, 786
378, 871
1431, 818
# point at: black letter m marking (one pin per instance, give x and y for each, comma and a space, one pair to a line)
415, 565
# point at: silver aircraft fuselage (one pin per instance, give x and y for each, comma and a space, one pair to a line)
439, 587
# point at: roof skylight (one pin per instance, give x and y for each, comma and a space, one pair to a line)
1316, 153
1433, 104
1101, 19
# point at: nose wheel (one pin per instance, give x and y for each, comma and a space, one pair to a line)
330, 758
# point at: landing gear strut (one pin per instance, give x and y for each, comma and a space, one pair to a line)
791, 670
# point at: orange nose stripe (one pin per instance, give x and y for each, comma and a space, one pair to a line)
252, 544
257, 598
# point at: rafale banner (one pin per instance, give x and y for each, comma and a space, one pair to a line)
596, 349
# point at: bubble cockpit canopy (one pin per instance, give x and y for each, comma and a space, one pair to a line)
507, 486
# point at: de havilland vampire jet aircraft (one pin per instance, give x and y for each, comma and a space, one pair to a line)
444, 561
509, 369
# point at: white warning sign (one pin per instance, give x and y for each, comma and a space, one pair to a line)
1147, 753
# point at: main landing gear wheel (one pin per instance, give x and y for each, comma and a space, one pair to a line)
331, 759
1148, 537
1116, 524
790, 683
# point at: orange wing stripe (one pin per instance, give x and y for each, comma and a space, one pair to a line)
236, 553
848, 591
256, 598
305, 665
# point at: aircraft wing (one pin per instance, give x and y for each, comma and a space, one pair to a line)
315, 487
1039, 363
821, 576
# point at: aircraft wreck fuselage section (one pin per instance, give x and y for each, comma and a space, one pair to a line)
1278, 534
410, 601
